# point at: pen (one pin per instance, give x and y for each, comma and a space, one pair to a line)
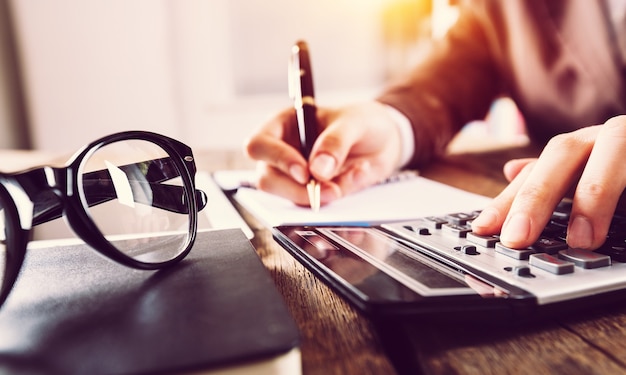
301, 91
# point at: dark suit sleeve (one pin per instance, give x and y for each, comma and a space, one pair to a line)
456, 84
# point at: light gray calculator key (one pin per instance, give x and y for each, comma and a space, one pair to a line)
456, 230
521, 254
551, 264
486, 241
584, 258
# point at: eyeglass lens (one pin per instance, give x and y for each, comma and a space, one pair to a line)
134, 194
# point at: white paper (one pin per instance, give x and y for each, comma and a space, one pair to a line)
221, 214
394, 201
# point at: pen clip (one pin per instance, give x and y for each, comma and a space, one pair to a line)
293, 73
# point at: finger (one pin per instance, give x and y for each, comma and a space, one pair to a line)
554, 172
600, 187
274, 181
355, 176
492, 217
273, 145
281, 156
513, 167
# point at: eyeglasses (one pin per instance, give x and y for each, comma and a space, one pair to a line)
131, 196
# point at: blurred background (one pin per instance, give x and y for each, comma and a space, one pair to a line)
205, 72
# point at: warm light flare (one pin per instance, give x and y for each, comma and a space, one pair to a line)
444, 15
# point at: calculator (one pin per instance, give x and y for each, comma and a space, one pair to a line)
437, 267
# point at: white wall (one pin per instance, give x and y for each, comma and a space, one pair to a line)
206, 72
94, 67
12, 112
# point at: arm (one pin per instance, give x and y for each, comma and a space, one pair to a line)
361, 144
456, 84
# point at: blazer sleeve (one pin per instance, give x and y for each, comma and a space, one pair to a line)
456, 84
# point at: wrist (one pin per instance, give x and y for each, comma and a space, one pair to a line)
403, 124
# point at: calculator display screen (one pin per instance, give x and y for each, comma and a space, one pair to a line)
373, 262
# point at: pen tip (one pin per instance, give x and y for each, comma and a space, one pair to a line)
314, 191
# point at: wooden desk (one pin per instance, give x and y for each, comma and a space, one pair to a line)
337, 339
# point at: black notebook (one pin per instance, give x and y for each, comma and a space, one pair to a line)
74, 312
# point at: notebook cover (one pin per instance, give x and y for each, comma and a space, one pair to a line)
74, 312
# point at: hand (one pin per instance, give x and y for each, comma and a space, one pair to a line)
589, 162
358, 146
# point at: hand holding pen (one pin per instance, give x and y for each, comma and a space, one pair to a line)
341, 150
302, 93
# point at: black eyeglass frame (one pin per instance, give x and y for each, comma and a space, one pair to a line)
66, 182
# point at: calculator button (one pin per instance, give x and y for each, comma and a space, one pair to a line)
562, 211
460, 218
523, 271
484, 241
615, 249
549, 245
618, 226
435, 222
551, 264
469, 250
456, 230
555, 229
521, 254
419, 230
584, 258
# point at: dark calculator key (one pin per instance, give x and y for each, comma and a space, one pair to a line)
615, 249
469, 250
562, 211
549, 245
522, 271
558, 225
554, 230
617, 230
417, 229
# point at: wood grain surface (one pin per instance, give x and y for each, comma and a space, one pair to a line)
337, 339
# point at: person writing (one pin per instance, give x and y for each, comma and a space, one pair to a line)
562, 62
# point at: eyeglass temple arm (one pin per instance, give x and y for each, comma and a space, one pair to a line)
98, 188
163, 196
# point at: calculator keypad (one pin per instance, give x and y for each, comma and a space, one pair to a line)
548, 260
552, 241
